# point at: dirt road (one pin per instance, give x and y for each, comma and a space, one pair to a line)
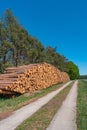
25, 112
65, 118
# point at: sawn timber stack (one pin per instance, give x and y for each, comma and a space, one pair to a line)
30, 78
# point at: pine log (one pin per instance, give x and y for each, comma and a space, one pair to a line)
30, 78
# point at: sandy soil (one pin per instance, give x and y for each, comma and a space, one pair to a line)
65, 118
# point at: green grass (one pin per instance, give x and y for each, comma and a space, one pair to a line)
41, 119
82, 105
19, 101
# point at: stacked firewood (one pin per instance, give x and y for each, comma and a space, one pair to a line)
30, 78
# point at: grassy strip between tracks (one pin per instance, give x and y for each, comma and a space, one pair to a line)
82, 105
41, 119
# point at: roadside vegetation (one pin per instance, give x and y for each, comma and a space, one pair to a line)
42, 118
12, 103
82, 105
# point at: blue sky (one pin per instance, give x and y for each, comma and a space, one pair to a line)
58, 23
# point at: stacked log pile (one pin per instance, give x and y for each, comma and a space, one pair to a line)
30, 78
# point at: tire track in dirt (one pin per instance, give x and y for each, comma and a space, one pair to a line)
25, 112
65, 118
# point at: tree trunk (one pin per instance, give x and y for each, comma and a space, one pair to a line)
13, 57
16, 59
4, 58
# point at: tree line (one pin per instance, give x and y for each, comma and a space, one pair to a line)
83, 77
18, 47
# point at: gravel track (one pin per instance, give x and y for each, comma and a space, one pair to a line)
65, 118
